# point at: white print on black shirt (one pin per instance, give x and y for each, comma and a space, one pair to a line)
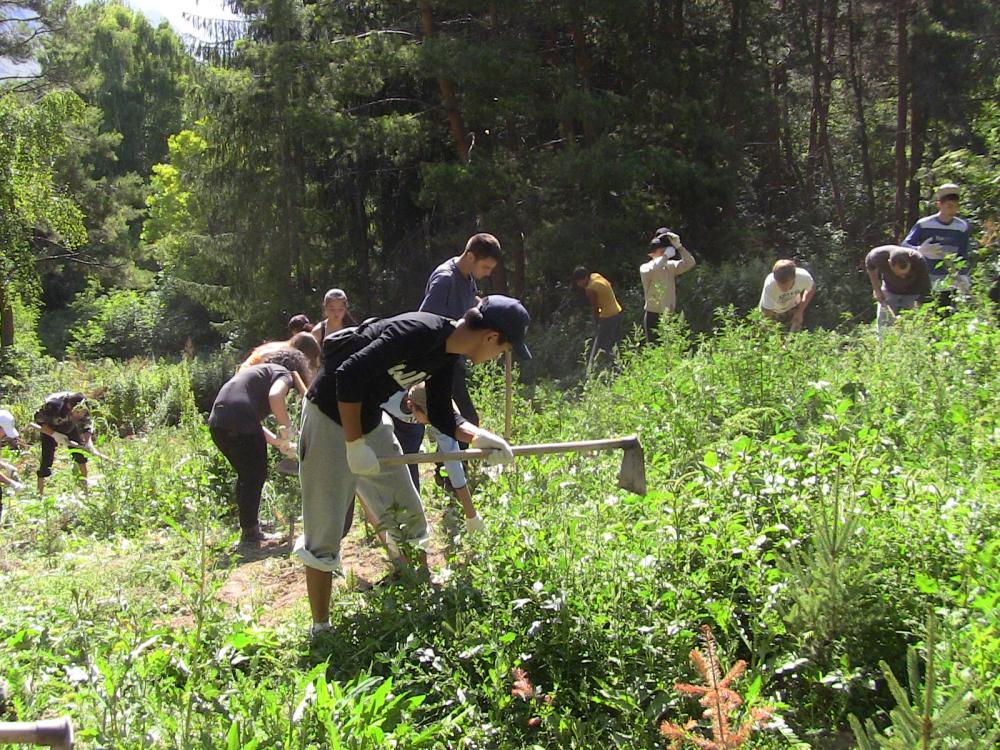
404, 377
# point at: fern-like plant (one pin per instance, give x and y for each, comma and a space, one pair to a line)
720, 701
917, 725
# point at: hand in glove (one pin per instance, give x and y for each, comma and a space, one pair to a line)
500, 452
931, 249
674, 239
61, 440
287, 448
475, 525
361, 459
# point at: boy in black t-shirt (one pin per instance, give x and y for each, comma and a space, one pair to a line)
344, 430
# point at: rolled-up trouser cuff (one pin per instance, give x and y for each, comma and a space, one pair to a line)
326, 564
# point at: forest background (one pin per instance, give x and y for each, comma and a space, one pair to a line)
165, 193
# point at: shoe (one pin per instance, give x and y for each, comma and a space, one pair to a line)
258, 537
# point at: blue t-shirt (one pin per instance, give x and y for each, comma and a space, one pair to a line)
953, 238
449, 292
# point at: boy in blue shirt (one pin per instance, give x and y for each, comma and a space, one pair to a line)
942, 239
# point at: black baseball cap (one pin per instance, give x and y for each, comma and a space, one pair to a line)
508, 316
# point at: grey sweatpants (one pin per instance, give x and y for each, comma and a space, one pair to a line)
328, 486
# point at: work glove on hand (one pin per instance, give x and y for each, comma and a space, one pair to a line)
16, 486
674, 239
288, 448
61, 440
499, 449
931, 249
475, 525
361, 459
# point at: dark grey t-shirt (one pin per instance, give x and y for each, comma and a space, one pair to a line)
449, 292
243, 403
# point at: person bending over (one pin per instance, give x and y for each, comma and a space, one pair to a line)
787, 292
344, 430
64, 421
899, 280
235, 425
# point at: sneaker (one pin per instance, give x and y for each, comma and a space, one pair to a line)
258, 537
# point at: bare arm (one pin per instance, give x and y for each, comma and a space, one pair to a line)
876, 280
276, 399
350, 418
594, 305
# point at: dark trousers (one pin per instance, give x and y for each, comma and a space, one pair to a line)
609, 335
651, 327
248, 455
49, 454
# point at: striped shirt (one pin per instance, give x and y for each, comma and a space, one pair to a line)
953, 238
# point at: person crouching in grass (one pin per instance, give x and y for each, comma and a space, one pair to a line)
411, 407
345, 430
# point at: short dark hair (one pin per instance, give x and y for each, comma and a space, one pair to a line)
306, 343
291, 359
475, 321
580, 273
483, 245
784, 270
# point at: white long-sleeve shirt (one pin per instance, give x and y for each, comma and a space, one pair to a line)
658, 280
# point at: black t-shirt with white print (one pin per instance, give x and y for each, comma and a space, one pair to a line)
386, 356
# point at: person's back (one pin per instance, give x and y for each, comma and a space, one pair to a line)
607, 303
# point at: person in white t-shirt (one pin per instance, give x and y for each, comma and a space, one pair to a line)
787, 292
668, 260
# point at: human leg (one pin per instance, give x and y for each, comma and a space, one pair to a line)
247, 453
328, 487
651, 327
47, 459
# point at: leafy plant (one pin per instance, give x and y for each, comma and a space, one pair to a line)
924, 719
720, 701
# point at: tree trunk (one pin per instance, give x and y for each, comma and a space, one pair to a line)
677, 23
815, 153
824, 115
448, 97
582, 61
918, 133
857, 86
902, 90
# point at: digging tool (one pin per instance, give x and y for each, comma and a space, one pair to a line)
54, 733
631, 474
508, 366
77, 446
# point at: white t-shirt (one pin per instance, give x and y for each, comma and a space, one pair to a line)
775, 300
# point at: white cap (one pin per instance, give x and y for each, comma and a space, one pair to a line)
7, 423
949, 188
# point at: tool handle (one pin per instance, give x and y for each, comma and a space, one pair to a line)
57, 733
541, 449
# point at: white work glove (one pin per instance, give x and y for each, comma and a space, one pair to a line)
499, 449
931, 249
361, 459
475, 525
674, 239
16, 486
61, 440
287, 448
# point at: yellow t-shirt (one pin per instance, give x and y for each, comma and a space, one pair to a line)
607, 303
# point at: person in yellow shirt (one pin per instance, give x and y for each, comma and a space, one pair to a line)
607, 312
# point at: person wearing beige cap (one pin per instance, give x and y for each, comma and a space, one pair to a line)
943, 240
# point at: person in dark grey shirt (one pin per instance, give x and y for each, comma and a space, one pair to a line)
344, 430
451, 291
235, 425
900, 280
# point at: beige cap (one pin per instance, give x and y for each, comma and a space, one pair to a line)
949, 188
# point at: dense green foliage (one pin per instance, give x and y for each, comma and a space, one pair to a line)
811, 498
352, 144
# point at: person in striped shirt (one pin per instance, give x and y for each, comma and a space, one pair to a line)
943, 240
